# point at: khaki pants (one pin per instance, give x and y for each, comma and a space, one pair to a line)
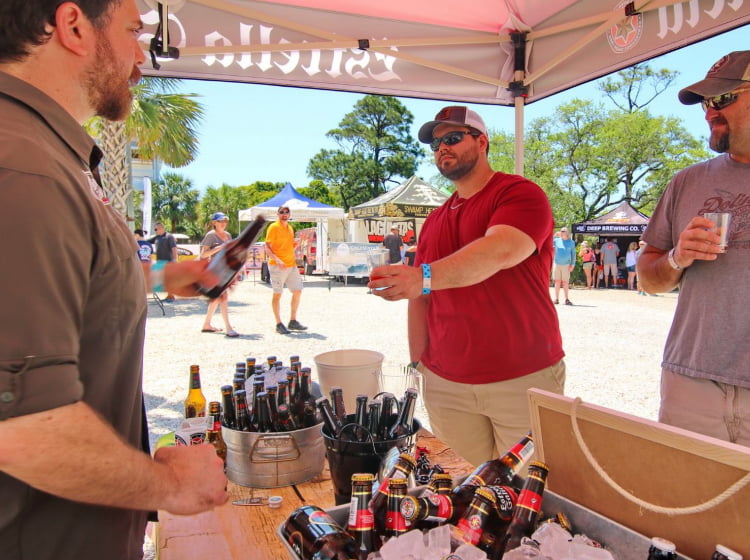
704, 406
482, 421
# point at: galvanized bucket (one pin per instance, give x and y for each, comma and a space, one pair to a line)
273, 459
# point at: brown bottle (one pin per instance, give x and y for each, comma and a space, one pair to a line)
286, 423
314, 535
440, 483
240, 409
228, 262
403, 425
403, 468
264, 414
360, 417
527, 508
337, 403
497, 472
228, 417
361, 522
395, 524
195, 403
250, 363
475, 518
662, 549
428, 511
330, 421
213, 434
496, 526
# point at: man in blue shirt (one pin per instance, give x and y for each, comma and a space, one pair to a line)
565, 261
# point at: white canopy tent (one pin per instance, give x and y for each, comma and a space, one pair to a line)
504, 52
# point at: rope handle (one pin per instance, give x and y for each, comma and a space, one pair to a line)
713, 502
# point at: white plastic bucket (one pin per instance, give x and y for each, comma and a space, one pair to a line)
355, 371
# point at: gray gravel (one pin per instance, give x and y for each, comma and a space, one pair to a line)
613, 341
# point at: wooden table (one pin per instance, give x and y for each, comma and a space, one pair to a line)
240, 532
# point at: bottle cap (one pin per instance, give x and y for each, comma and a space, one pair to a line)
274, 502
363, 477
663, 544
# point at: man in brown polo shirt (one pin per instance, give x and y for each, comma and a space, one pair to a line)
75, 482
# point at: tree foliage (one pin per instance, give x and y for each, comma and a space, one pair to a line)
375, 149
175, 202
589, 159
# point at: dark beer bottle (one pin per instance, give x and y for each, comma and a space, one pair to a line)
373, 418
240, 368
228, 262
403, 426
286, 423
330, 421
314, 535
213, 433
263, 417
250, 362
724, 553
428, 511
238, 383
395, 524
291, 380
526, 512
240, 408
500, 471
337, 403
270, 361
283, 395
475, 518
259, 385
303, 397
195, 403
386, 414
360, 417
361, 523
440, 483
228, 417
272, 405
309, 418
403, 468
661, 549
494, 533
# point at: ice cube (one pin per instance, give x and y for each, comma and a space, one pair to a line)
439, 540
412, 543
470, 552
554, 541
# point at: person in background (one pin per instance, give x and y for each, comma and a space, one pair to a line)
630, 259
641, 247
211, 244
705, 380
608, 254
565, 262
481, 286
410, 253
283, 269
145, 248
76, 477
394, 244
166, 249
588, 257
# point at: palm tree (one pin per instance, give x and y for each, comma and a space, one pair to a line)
175, 201
163, 125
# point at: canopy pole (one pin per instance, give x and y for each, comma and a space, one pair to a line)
520, 91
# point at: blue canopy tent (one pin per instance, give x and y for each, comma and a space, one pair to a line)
303, 209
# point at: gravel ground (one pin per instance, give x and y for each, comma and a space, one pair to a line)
613, 341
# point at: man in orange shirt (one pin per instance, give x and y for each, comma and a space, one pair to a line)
283, 269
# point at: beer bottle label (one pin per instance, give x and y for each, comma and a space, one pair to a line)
360, 519
523, 450
395, 522
471, 527
444, 507
530, 500
506, 499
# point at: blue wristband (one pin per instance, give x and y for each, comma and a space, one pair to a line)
426, 279
156, 276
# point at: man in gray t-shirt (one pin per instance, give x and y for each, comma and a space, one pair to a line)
610, 251
705, 385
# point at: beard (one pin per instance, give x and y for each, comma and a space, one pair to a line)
718, 141
108, 90
462, 167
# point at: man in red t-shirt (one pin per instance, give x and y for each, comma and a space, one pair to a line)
482, 325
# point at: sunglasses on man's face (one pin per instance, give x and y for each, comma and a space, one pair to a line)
451, 139
283, 211
719, 102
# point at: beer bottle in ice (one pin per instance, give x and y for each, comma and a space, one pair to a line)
427, 511
395, 524
314, 535
195, 403
286, 423
263, 417
361, 523
500, 471
250, 363
526, 512
496, 526
404, 467
240, 409
661, 549
475, 518
403, 426
228, 417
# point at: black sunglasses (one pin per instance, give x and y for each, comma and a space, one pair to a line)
452, 138
719, 102
283, 211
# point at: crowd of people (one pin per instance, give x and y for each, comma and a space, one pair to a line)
73, 313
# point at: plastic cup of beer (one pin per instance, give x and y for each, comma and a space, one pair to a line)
376, 258
722, 224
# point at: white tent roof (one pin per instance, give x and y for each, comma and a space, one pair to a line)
480, 51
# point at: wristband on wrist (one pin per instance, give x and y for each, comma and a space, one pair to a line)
426, 279
156, 276
671, 261
413, 365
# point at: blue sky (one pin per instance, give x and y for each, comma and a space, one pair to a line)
267, 133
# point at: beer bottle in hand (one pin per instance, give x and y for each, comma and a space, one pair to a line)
361, 523
195, 403
228, 262
527, 508
314, 535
